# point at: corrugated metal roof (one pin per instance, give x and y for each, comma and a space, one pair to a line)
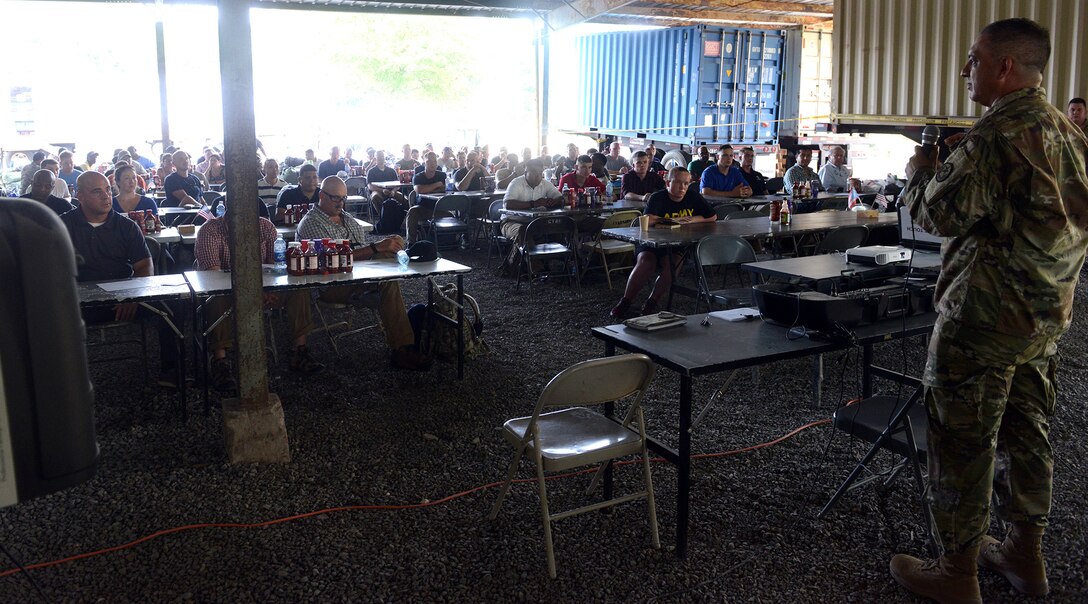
757, 13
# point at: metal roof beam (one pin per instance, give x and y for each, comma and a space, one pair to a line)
780, 7
579, 11
706, 15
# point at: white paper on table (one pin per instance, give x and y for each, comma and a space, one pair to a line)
736, 315
117, 286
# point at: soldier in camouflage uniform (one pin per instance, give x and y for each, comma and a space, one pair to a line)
1012, 200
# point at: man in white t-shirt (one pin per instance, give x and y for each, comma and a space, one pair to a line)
834, 175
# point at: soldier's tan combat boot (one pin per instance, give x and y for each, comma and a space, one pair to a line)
950, 579
1019, 558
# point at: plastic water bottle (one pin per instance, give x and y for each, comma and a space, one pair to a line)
280, 250
220, 210
402, 258
608, 191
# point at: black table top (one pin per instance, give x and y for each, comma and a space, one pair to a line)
833, 266
693, 349
746, 227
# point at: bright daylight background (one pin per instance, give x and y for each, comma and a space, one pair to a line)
87, 76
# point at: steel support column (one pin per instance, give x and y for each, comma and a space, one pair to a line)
164, 113
240, 151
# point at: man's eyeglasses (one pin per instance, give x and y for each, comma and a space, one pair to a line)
335, 198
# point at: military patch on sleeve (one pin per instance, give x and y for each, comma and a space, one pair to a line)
944, 171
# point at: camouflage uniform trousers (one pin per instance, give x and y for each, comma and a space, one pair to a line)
989, 397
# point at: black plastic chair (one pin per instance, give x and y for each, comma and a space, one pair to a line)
842, 239
724, 252
745, 214
774, 185
491, 224
450, 218
724, 210
549, 238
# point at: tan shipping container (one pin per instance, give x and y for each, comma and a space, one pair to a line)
899, 61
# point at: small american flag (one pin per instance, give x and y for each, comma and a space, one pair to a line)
206, 213
881, 201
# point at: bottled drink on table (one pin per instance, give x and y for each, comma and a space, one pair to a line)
279, 250
332, 258
349, 258
309, 258
148, 222
402, 258
294, 259
776, 211
786, 214
344, 255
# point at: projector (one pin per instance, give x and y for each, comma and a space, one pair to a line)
878, 254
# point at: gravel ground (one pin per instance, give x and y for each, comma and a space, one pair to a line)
362, 434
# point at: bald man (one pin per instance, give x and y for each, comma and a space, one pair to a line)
328, 219
109, 246
182, 187
41, 189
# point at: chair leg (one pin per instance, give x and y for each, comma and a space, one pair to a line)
607, 272
649, 483
548, 547
506, 485
325, 326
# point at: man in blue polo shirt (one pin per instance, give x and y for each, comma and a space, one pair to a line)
724, 178
110, 246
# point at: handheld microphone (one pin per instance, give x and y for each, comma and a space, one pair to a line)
929, 138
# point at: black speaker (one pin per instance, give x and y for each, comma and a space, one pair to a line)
47, 438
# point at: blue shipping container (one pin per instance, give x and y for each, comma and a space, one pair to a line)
686, 85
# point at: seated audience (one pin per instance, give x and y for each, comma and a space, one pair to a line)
470, 178
212, 254
330, 220
700, 163
430, 180
127, 199
834, 175
617, 164
581, 178
109, 246
41, 189
270, 184
182, 187
755, 180
305, 192
724, 178
640, 183
332, 166
679, 203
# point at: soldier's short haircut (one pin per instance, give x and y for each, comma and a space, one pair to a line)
49, 161
585, 159
534, 164
307, 168
1076, 101
1023, 39
639, 155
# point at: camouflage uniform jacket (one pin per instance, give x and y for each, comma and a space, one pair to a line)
1012, 199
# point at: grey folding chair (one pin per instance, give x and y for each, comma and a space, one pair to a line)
491, 224
575, 436
724, 210
723, 252
605, 247
549, 238
450, 217
842, 239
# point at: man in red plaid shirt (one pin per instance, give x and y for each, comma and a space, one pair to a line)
213, 254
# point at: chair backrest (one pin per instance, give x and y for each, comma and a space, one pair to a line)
494, 211
745, 214
726, 209
155, 248
634, 222
843, 238
598, 381
774, 185
550, 225
452, 204
620, 219
413, 199
355, 184
211, 197
716, 250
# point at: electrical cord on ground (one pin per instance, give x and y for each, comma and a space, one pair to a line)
424, 504
29, 577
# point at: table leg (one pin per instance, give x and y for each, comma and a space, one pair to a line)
460, 328
818, 378
866, 375
683, 468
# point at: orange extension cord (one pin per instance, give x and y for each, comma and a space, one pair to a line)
426, 504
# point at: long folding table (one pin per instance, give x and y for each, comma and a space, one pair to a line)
694, 350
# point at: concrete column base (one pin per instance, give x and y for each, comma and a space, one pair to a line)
255, 435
